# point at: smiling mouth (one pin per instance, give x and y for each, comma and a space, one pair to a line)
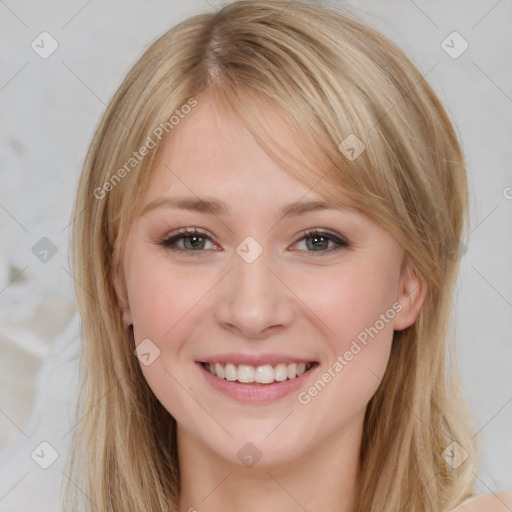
264, 374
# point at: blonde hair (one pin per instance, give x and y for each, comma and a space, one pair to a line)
328, 77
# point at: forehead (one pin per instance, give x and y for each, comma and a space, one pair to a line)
211, 152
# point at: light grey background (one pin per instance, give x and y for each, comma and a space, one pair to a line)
49, 109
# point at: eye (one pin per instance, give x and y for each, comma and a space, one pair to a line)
319, 241
193, 241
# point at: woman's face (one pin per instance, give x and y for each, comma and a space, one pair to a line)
259, 291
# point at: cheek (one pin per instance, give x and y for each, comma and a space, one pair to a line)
356, 304
166, 304
352, 300
162, 301
160, 298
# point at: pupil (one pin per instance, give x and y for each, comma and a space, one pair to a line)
317, 241
195, 241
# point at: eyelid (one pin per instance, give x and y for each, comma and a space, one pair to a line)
324, 232
340, 241
168, 240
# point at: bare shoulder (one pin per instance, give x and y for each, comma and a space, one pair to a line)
497, 502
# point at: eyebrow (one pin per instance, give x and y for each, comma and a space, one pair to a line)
215, 207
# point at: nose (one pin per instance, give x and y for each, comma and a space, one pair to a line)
254, 301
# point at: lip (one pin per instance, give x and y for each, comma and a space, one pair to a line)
255, 360
255, 393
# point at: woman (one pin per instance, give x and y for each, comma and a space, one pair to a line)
266, 240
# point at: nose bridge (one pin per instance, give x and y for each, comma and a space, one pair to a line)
253, 299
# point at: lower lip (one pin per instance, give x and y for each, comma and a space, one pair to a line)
253, 393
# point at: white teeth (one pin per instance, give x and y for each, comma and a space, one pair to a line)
292, 370
245, 373
231, 372
280, 372
219, 371
264, 374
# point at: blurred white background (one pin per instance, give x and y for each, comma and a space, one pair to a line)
49, 109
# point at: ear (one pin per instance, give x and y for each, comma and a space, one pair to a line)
122, 295
127, 317
411, 296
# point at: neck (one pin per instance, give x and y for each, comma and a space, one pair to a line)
324, 478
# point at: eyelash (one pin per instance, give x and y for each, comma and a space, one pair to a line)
170, 241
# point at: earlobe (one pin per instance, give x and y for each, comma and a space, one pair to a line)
412, 292
122, 297
127, 318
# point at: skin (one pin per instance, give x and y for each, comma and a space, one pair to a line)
292, 299
498, 502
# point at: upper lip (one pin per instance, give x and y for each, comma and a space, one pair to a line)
255, 360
